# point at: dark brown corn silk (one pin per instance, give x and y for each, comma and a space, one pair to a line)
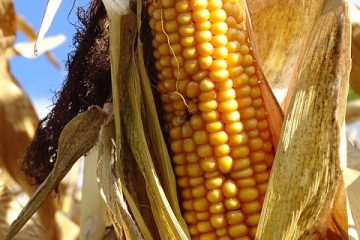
88, 83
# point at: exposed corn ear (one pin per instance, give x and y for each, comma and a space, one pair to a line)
214, 114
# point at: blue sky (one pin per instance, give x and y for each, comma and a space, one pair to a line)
37, 76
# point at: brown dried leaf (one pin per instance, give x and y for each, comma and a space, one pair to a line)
307, 163
77, 137
280, 29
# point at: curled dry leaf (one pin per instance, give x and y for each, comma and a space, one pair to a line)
353, 111
311, 175
77, 138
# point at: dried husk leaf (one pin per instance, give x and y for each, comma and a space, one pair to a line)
92, 206
124, 225
307, 162
77, 138
280, 28
355, 48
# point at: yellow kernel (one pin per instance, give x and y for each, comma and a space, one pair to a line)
248, 194
187, 42
235, 71
220, 53
196, 181
230, 117
184, 18
157, 14
201, 15
244, 49
191, 66
214, 126
208, 106
193, 230
206, 85
214, 183
200, 137
248, 60
201, 204
252, 232
175, 133
252, 220
243, 92
260, 113
251, 124
221, 232
177, 61
219, 75
179, 159
198, 191
214, 174
225, 164
255, 92
207, 96
214, 196
204, 150
235, 217
255, 144
204, 226
176, 49
228, 106
242, 81
218, 221
262, 188
189, 53
241, 163
211, 116
238, 139
263, 124
176, 146
257, 102
205, 62
190, 217
219, 28
216, 208
198, 4
251, 70
234, 59
187, 30
229, 188
246, 182
186, 193
219, 40
218, 65
218, 16
180, 170
240, 152
167, 3
251, 207
192, 157
234, 128
232, 203
192, 89
196, 122
218, 138
244, 102
267, 147
200, 75
238, 230
187, 205
205, 49
208, 165
186, 130
248, 172
174, 38
164, 49
208, 236
203, 36
221, 150
189, 145
233, 46
262, 177
171, 27
224, 85
182, 6
214, 5
257, 157
178, 105
202, 216
201, 26
226, 95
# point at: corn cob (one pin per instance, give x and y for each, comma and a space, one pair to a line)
214, 114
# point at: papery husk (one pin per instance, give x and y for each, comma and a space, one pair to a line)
355, 47
305, 187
